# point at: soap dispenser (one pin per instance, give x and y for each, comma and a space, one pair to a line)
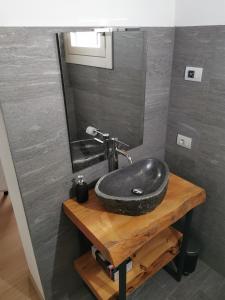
81, 190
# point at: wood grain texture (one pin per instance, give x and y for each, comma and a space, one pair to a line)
119, 236
146, 262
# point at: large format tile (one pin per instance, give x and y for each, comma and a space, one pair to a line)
159, 60
197, 110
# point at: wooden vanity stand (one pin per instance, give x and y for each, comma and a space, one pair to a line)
149, 239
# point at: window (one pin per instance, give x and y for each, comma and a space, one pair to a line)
85, 39
92, 48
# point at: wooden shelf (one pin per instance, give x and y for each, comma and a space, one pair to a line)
148, 260
119, 236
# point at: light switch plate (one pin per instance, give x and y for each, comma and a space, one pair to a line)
184, 141
193, 74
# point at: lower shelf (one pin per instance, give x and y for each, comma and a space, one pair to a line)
148, 260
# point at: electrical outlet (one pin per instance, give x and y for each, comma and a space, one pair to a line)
184, 141
193, 74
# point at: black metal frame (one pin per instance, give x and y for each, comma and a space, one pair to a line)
177, 274
122, 280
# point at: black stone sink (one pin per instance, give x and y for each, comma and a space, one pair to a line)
136, 189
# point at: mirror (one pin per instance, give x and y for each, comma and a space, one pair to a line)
103, 76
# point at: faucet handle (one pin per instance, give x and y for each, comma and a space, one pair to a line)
92, 130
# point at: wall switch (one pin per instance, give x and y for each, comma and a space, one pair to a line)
193, 74
184, 141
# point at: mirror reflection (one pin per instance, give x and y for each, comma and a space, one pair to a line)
103, 76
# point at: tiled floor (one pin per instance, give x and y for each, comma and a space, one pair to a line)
203, 284
15, 283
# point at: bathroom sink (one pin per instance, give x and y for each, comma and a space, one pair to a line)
136, 189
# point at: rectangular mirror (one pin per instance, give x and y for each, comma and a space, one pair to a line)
103, 75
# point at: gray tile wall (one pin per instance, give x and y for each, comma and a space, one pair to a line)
32, 103
198, 110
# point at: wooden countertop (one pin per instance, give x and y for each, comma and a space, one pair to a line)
119, 236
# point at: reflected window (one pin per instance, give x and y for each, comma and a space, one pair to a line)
85, 39
91, 48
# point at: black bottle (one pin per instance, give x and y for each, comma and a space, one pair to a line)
81, 190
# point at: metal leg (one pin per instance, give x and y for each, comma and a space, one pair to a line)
181, 257
184, 245
122, 280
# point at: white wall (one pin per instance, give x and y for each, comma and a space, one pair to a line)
112, 12
200, 12
87, 13
12, 183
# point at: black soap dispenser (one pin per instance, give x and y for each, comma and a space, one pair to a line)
81, 190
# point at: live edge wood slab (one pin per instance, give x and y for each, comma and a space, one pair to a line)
118, 236
148, 260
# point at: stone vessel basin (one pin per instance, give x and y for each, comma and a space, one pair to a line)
136, 189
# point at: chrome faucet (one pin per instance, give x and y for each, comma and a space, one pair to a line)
111, 148
126, 154
113, 151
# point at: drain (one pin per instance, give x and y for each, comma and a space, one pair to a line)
137, 191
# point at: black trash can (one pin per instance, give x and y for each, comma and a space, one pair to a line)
191, 256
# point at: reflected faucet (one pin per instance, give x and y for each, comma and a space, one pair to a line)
111, 147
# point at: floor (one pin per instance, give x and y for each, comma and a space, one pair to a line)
203, 284
15, 283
